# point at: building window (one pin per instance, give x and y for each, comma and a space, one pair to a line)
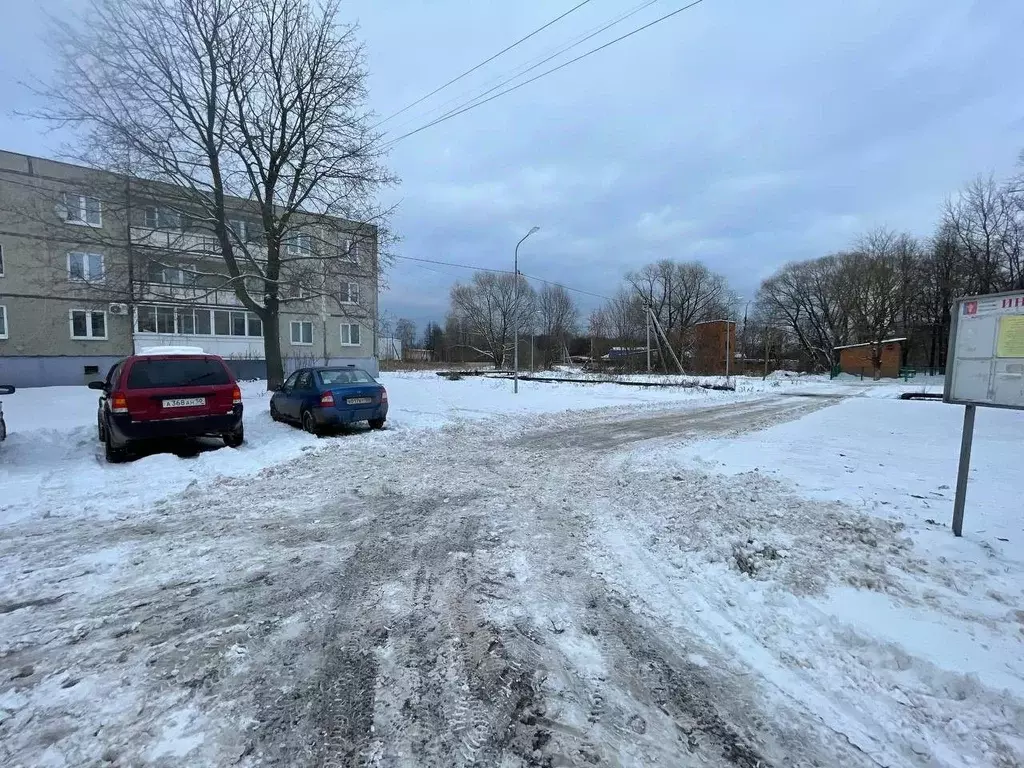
349, 250
350, 334
3, 322
1, 259
162, 218
85, 267
240, 228
83, 210
302, 332
299, 244
186, 321
88, 324
91, 370
350, 293
161, 273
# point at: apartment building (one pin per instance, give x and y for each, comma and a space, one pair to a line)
94, 266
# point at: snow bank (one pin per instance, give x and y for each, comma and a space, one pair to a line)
52, 463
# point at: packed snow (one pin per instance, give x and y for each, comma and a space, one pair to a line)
578, 574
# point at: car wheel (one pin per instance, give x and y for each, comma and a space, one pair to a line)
99, 431
376, 423
309, 423
113, 454
235, 439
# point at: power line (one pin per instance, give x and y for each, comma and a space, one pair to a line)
532, 64
458, 112
566, 287
483, 63
460, 266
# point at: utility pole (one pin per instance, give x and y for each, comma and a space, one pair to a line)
515, 315
647, 311
765, 354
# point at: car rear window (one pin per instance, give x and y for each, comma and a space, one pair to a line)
345, 377
178, 372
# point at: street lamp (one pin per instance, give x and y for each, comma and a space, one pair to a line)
515, 318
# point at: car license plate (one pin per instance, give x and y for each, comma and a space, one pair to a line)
185, 402
360, 400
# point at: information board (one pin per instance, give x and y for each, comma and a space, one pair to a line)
985, 365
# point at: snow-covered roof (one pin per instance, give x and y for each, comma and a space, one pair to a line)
169, 350
869, 343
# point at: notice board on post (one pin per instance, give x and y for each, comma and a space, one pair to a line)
985, 361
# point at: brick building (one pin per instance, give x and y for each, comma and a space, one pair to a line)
855, 359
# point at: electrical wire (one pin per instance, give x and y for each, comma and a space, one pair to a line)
457, 112
528, 66
482, 63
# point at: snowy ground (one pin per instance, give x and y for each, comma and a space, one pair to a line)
582, 574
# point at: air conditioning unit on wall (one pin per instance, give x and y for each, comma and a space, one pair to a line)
118, 309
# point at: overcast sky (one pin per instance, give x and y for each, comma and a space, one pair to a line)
741, 133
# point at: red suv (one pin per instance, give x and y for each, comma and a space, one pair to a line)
167, 395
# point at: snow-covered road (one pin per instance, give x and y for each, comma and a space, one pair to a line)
551, 592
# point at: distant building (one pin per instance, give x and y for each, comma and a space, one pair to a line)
713, 343
855, 359
389, 348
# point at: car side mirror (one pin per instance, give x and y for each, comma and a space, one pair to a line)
6, 389
101, 385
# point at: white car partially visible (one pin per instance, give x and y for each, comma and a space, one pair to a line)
5, 389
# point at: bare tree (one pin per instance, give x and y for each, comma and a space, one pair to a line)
558, 318
229, 108
979, 218
492, 309
405, 332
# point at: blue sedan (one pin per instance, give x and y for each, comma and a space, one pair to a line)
320, 398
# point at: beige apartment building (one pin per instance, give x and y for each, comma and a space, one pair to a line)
95, 266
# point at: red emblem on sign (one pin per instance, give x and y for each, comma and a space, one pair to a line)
970, 307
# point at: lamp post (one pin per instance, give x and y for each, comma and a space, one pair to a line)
515, 317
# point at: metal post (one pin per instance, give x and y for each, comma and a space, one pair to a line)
965, 467
515, 326
648, 308
515, 315
765, 354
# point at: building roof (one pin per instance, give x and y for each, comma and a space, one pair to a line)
869, 343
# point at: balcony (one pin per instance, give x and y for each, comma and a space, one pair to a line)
169, 293
181, 242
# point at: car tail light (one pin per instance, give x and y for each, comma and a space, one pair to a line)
236, 396
119, 404
327, 399
383, 395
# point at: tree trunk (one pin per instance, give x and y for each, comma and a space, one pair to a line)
272, 349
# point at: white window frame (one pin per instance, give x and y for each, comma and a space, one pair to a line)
187, 273
349, 250
5, 333
299, 244
351, 295
88, 324
240, 229
301, 323
80, 215
359, 333
85, 263
1, 259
